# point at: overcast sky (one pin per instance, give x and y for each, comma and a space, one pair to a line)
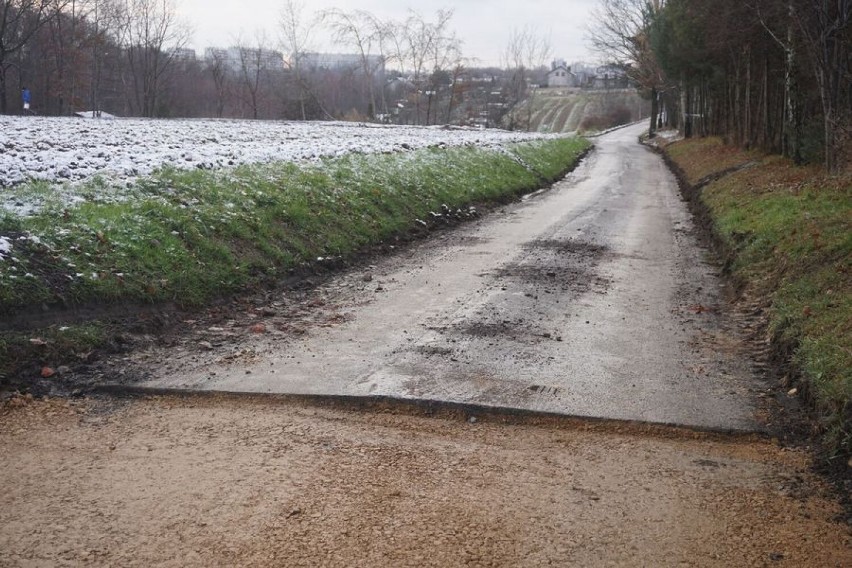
484, 25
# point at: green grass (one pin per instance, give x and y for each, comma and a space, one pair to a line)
191, 236
790, 229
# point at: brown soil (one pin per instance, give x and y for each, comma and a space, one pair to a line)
226, 481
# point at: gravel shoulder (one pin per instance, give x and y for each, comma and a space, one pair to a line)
226, 481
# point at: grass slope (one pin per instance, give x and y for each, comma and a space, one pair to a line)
790, 231
191, 236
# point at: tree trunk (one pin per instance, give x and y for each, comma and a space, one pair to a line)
747, 133
451, 103
791, 143
652, 128
737, 113
4, 102
830, 122
767, 123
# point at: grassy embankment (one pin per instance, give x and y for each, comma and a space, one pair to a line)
187, 237
789, 231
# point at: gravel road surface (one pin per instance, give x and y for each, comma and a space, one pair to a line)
224, 481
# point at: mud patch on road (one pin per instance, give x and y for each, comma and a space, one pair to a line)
510, 329
570, 247
550, 272
544, 390
433, 351
554, 266
577, 279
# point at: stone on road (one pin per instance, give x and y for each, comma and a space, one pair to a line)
591, 299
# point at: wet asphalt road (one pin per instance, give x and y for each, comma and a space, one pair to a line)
590, 299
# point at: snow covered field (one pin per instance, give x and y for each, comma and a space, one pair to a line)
62, 150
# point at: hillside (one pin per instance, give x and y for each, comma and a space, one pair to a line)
562, 110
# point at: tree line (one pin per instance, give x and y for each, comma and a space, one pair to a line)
128, 57
79, 54
769, 74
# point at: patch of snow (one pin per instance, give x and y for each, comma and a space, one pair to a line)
669, 135
66, 151
92, 114
5, 247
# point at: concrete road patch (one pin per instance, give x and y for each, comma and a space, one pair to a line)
591, 299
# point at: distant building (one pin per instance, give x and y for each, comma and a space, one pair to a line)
184, 54
584, 73
216, 53
560, 75
610, 77
342, 62
235, 58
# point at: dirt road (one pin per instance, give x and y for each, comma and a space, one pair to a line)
590, 299
258, 482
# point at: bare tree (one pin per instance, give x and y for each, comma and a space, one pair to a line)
363, 32
425, 48
65, 51
525, 51
620, 33
80, 37
791, 136
151, 35
219, 69
446, 57
20, 20
94, 44
105, 19
825, 26
457, 88
257, 63
392, 44
296, 32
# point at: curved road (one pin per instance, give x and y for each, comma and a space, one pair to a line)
590, 299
